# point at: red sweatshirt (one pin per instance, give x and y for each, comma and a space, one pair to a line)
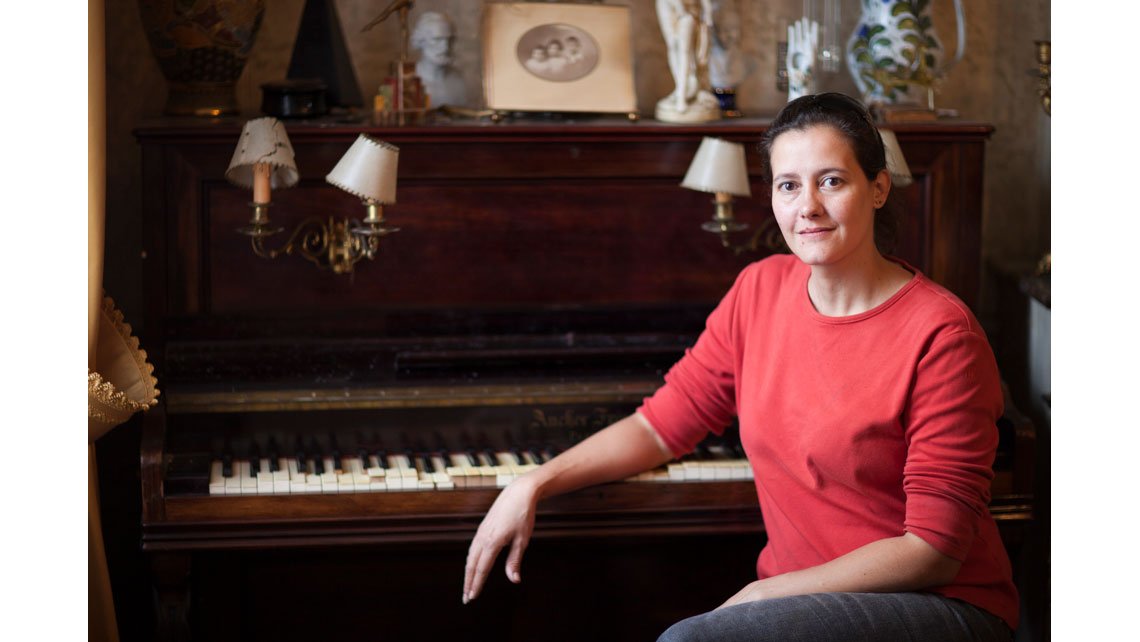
858, 428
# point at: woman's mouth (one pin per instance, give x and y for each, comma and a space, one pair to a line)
815, 231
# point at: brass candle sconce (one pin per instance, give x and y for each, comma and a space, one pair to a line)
264, 160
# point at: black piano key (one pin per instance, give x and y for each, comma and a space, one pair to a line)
429, 465
274, 457
472, 457
318, 458
363, 455
550, 451
254, 459
302, 461
382, 459
411, 457
335, 453
517, 454
536, 456
227, 460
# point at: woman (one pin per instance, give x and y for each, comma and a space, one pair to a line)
867, 398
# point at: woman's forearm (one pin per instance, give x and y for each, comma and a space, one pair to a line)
904, 563
627, 447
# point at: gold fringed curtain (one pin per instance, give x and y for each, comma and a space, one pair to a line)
119, 381
101, 624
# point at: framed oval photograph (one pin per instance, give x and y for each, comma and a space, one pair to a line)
540, 56
556, 52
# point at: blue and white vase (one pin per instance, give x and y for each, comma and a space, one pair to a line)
894, 54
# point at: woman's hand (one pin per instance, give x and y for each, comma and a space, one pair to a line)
624, 448
752, 592
510, 521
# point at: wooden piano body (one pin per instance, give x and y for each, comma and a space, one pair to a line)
545, 276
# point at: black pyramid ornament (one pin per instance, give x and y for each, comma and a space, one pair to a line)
320, 52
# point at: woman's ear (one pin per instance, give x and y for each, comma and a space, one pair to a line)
881, 188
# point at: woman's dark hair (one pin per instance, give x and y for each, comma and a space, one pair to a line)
850, 118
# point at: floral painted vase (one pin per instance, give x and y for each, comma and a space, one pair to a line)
894, 54
201, 46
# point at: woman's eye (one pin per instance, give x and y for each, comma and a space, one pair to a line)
832, 181
786, 186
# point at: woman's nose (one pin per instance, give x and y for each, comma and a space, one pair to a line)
809, 205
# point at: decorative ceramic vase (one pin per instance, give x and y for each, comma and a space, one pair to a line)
201, 46
894, 54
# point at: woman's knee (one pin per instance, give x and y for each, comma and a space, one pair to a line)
683, 631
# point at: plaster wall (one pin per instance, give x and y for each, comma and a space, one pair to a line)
992, 84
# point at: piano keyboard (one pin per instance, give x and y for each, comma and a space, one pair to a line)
380, 471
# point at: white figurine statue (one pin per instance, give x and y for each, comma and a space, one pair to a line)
803, 40
726, 66
686, 25
434, 36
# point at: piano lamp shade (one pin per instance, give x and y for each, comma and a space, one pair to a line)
718, 167
896, 164
263, 142
368, 170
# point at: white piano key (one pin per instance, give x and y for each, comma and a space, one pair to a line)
460, 471
217, 482
344, 476
402, 473
329, 481
692, 470
676, 471
297, 483
248, 480
360, 479
281, 477
508, 468
312, 479
488, 471
375, 470
264, 477
440, 477
233, 482
424, 478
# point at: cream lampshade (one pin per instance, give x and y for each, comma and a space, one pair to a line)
896, 163
718, 167
263, 143
368, 170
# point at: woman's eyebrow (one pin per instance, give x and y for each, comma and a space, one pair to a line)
825, 170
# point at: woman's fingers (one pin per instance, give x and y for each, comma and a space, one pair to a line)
479, 561
514, 558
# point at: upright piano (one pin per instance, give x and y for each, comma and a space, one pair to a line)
326, 444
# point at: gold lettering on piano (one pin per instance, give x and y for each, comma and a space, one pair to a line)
574, 424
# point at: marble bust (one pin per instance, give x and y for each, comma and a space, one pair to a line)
434, 38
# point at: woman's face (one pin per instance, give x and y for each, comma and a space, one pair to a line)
823, 202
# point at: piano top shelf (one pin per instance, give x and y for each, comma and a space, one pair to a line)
233, 398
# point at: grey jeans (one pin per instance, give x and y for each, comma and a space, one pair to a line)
851, 617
